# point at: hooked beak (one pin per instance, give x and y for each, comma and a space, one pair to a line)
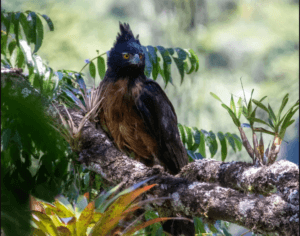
135, 60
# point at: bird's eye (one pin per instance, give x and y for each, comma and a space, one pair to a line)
141, 56
126, 56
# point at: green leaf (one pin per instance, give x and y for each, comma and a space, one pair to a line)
202, 144
223, 145
12, 46
253, 119
100, 201
230, 140
281, 120
92, 69
215, 96
252, 115
182, 133
260, 105
167, 73
38, 65
212, 143
192, 155
101, 67
16, 26
189, 136
73, 97
180, 62
152, 53
31, 19
195, 59
20, 58
288, 124
31, 77
49, 22
271, 114
148, 64
262, 130
166, 64
192, 61
25, 26
155, 71
154, 61
237, 141
232, 105
124, 192
15, 216
39, 34
263, 98
283, 103
27, 52
213, 228
5, 137
7, 21
249, 108
196, 135
234, 118
251, 94
271, 123
170, 51
180, 67
288, 117
199, 226
245, 111
161, 71
240, 107
80, 81
82, 201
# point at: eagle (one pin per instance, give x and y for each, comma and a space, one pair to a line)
138, 116
135, 111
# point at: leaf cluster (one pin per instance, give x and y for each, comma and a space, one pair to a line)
29, 164
22, 35
153, 62
26, 26
99, 217
196, 142
277, 123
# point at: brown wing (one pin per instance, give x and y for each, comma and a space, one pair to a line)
161, 121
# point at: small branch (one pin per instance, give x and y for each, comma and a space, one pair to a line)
256, 150
246, 144
275, 148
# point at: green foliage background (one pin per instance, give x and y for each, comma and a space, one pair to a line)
255, 40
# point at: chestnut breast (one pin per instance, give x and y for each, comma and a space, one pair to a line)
123, 121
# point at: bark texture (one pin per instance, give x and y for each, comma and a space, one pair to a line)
263, 199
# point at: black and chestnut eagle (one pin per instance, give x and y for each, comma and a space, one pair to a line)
136, 111
138, 115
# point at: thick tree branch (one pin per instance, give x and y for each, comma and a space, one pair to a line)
205, 188
281, 178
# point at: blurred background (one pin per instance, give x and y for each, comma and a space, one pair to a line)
257, 41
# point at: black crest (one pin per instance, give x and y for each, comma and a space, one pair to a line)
126, 35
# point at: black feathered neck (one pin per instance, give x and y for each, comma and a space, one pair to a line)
126, 35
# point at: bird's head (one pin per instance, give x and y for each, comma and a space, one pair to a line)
127, 56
